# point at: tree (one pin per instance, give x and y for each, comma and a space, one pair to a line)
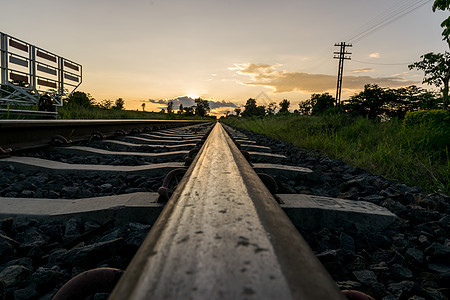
189, 111
106, 104
284, 106
169, 107
237, 111
371, 102
321, 103
408, 99
251, 109
143, 106
271, 108
305, 107
437, 66
81, 99
180, 109
202, 107
119, 104
316, 104
437, 71
444, 5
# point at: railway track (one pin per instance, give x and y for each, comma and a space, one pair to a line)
221, 227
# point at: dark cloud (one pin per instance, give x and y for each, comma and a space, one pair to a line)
285, 81
188, 101
220, 104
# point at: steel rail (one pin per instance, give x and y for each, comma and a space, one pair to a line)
24, 134
222, 235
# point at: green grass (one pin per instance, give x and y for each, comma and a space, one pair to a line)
414, 155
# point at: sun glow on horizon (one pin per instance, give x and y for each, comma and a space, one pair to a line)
192, 96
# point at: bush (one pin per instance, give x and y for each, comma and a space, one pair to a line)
437, 118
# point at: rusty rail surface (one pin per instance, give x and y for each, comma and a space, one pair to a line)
222, 235
24, 134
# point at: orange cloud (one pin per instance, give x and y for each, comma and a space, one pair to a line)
286, 81
363, 70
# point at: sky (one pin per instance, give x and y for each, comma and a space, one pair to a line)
152, 51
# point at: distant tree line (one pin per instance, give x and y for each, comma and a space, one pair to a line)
251, 109
201, 108
86, 100
374, 102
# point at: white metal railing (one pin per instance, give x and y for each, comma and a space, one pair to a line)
28, 72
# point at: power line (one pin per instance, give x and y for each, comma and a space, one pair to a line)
379, 18
387, 17
381, 64
396, 10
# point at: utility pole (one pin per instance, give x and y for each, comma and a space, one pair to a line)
341, 55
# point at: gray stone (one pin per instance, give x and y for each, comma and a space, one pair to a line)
6, 250
366, 277
359, 182
26, 293
101, 296
4, 238
31, 237
46, 279
72, 227
56, 255
14, 275
439, 268
136, 234
106, 187
27, 193
394, 206
415, 254
416, 298
373, 198
90, 253
378, 241
23, 261
403, 289
423, 240
53, 194
54, 230
347, 243
389, 297
328, 256
90, 225
434, 294
6, 224
116, 234
70, 192
438, 253
400, 272
348, 285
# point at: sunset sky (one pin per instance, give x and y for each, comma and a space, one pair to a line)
225, 50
